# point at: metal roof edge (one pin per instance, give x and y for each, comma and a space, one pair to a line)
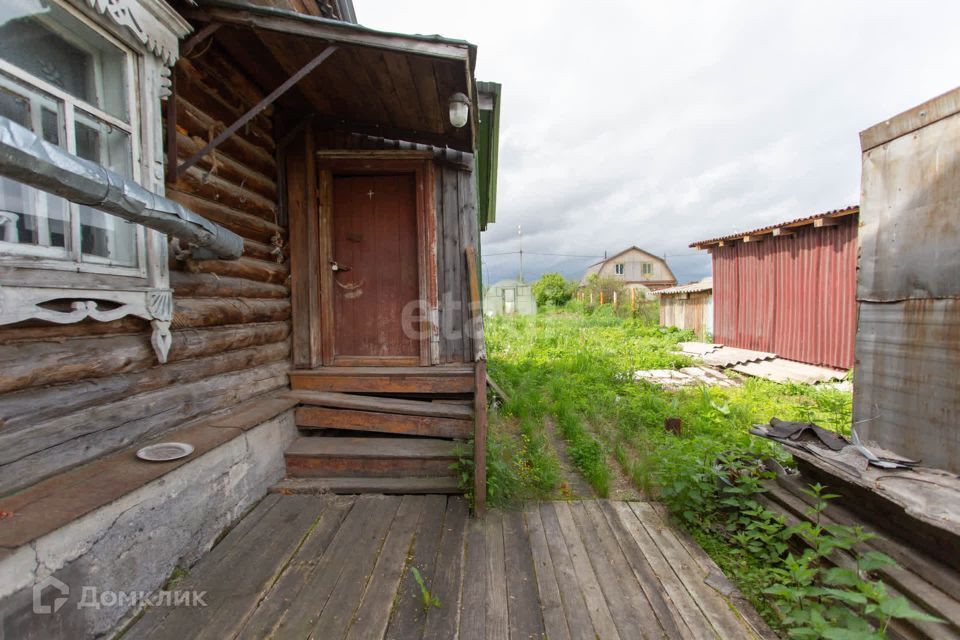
926, 113
790, 224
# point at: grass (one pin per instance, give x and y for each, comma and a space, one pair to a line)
577, 368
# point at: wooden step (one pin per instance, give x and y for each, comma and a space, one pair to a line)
428, 380
310, 457
313, 417
402, 486
382, 405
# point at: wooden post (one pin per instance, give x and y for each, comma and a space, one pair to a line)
633, 299
480, 390
614, 299
601, 297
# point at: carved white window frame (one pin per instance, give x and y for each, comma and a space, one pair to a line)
152, 29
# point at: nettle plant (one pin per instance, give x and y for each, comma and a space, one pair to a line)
829, 590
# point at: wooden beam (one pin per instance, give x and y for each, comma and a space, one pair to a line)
782, 231
754, 238
825, 222
480, 441
256, 109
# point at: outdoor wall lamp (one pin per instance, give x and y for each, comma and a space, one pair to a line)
459, 109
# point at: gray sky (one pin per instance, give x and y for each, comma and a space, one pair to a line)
661, 123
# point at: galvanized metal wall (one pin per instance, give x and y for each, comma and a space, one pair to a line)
907, 379
790, 295
692, 313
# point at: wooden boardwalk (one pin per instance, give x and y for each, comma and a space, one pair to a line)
339, 567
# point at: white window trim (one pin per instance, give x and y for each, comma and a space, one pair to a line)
149, 31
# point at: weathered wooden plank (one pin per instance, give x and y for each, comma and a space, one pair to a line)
289, 585
603, 623
448, 575
407, 617
200, 285
236, 583
574, 604
473, 617
386, 383
684, 603
207, 312
669, 619
480, 439
448, 244
498, 615
357, 539
371, 579
389, 485
31, 407
629, 607
384, 405
523, 604
467, 218
713, 605
326, 418
551, 607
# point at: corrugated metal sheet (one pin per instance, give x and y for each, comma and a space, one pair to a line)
790, 295
694, 287
906, 391
835, 213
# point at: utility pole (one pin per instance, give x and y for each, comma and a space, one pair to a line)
520, 235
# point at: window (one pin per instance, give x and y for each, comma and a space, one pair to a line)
74, 86
646, 268
618, 268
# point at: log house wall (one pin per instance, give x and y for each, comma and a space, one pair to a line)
70, 393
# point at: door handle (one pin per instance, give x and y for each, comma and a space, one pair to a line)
336, 266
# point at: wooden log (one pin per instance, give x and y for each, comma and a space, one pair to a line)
207, 185
85, 435
248, 226
203, 285
32, 406
264, 251
222, 73
227, 167
247, 268
33, 364
192, 86
206, 312
38, 330
480, 441
196, 123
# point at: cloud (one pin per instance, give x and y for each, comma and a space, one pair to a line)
658, 124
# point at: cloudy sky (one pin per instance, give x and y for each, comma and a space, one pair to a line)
659, 123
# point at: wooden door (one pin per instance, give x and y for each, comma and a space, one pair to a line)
375, 270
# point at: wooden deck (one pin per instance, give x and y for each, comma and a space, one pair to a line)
339, 567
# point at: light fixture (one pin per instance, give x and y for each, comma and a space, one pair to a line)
459, 109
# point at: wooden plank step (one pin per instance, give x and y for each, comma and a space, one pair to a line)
382, 405
447, 485
369, 457
349, 419
385, 379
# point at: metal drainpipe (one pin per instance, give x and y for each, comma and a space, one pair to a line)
28, 159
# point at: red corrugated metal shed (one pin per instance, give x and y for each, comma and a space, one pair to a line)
792, 294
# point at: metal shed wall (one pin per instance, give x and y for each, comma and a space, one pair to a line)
790, 295
906, 390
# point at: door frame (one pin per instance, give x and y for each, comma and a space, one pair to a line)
330, 164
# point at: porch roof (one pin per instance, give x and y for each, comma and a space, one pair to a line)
376, 83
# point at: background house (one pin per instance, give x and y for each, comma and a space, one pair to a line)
688, 306
789, 288
636, 268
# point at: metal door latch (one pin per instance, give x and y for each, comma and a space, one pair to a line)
336, 266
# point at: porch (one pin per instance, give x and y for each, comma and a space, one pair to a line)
340, 566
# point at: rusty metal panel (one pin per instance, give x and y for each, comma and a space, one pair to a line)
906, 395
906, 392
911, 224
790, 295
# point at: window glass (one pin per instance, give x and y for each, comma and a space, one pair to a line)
28, 216
52, 45
103, 237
